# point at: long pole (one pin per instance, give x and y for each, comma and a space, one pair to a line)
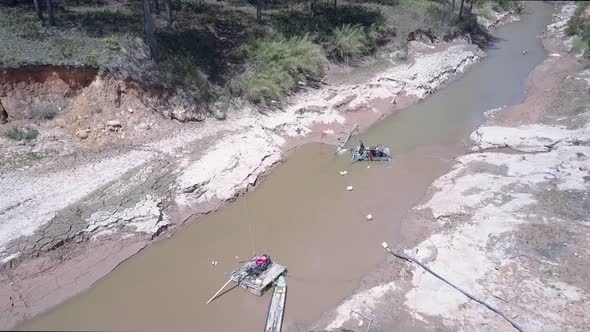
252, 237
413, 260
219, 291
249, 260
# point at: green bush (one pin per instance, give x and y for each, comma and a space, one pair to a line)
348, 42
21, 133
195, 6
90, 60
292, 23
186, 71
433, 13
272, 83
503, 5
497, 5
24, 26
426, 13
276, 67
112, 42
67, 47
579, 45
575, 25
580, 28
102, 23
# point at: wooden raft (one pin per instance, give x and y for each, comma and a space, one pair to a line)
257, 285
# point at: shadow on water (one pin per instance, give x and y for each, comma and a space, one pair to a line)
495, 43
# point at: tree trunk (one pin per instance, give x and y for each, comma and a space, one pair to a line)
38, 11
3, 114
148, 29
335, 4
168, 8
444, 13
259, 11
461, 9
156, 7
452, 8
313, 7
50, 18
471, 6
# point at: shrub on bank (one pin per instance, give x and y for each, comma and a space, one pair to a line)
187, 72
21, 133
581, 27
348, 42
498, 5
576, 25
276, 66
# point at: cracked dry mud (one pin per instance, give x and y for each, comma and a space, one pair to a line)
70, 217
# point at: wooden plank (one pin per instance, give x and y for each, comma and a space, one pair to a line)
266, 278
342, 146
219, 291
270, 275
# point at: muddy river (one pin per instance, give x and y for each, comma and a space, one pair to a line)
304, 218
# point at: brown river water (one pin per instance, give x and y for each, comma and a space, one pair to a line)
304, 218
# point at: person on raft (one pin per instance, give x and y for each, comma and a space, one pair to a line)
261, 263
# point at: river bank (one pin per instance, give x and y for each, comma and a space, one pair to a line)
508, 223
81, 221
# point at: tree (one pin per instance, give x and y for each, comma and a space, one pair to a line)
259, 11
471, 6
148, 29
38, 11
313, 7
168, 9
156, 7
461, 8
335, 3
452, 8
3, 114
50, 17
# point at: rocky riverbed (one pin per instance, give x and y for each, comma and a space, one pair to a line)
107, 177
509, 223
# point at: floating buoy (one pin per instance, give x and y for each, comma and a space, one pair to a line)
343, 172
349, 188
369, 217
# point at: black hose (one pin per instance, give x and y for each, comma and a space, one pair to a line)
497, 311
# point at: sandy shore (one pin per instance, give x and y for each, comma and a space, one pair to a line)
70, 218
509, 223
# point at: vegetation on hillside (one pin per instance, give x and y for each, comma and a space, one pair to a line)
20, 133
498, 5
277, 66
579, 26
262, 50
487, 7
